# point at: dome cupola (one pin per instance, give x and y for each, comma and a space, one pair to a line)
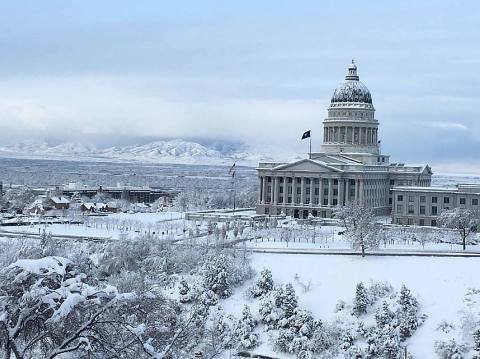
351, 90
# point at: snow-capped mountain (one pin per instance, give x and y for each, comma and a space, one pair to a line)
165, 151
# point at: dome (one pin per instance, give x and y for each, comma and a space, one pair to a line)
352, 90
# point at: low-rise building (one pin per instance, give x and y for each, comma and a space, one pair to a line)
421, 206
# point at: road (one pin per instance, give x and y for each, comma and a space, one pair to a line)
348, 252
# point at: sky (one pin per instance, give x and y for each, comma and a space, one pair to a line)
260, 72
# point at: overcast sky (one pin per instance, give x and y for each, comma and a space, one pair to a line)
255, 71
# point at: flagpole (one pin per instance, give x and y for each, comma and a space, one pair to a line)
310, 153
234, 172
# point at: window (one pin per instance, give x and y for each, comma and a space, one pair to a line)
290, 180
352, 182
335, 181
446, 199
316, 181
400, 198
399, 208
269, 189
421, 222
307, 190
289, 190
280, 199
422, 199
422, 209
335, 192
410, 209
411, 198
281, 189
325, 191
462, 201
317, 191
390, 201
299, 180
434, 199
299, 190
434, 210
307, 180
289, 200
392, 182
410, 221
474, 201
267, 210
307, 200
335, 202
434, 222
325, 201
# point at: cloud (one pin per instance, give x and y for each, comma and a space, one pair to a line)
443, 125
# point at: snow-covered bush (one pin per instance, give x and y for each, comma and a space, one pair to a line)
449, 349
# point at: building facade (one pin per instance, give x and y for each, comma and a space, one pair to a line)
349, 168
421, 205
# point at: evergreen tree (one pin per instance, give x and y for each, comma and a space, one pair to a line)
289, 301
384, 315
361, 300
476, 340
264, 284
407, 314
243, 331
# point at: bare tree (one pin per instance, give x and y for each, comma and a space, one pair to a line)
360, 227
463, 220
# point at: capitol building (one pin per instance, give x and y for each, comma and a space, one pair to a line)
350, 166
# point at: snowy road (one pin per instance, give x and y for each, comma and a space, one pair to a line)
346, 252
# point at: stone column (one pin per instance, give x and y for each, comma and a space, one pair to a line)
347, 190
264, 190
285, 190
361, 191
276, 185
272, 189
259, 200
294, 189
320, 191
356, 190
340, 192
330, 191
312, 188
302, 191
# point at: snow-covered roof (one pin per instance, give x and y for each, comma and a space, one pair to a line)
60, 200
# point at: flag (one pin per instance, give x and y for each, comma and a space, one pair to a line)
232, 170
306, 135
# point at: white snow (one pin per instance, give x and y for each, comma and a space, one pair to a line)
440, 284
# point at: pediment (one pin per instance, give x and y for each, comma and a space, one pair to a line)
307, 165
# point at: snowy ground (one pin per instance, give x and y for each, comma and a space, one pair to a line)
439, 283
110, 226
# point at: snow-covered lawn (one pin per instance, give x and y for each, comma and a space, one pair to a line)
111, 226
439, 283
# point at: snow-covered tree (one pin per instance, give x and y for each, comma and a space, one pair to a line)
185, 294
464, 221
407, 313
360, 228
264, 284
244, 330
360, 302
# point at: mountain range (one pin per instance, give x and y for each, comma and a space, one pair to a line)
163, 151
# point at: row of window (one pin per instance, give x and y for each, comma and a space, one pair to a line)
434, 199
421, 222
